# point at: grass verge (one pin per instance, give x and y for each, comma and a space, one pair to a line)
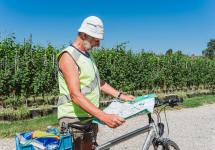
198, 101
9, 129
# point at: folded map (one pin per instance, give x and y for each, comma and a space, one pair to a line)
141, 104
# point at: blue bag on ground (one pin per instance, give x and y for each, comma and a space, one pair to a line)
43, 140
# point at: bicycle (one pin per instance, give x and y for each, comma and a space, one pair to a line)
155, 131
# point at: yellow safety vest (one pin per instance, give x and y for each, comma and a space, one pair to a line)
89, 85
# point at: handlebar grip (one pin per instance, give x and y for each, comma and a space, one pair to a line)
173, 101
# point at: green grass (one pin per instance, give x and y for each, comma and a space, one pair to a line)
198, 101
8, 129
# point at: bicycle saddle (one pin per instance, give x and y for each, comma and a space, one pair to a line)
82, 127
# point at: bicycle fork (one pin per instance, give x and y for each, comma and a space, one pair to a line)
151, 135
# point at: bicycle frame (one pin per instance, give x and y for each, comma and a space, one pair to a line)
152, 133
155, 131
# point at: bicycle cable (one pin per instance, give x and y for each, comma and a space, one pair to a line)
164, 109
160, 112
166, 121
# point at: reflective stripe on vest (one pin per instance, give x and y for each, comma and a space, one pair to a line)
85, 90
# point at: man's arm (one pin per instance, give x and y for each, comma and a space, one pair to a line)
71, 76
106, 88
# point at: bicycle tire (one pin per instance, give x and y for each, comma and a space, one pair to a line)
165, 144
171, 144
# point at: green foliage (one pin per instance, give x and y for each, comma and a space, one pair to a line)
198, 101
12, 114
28, 70
148, 71
210, 50
40, 123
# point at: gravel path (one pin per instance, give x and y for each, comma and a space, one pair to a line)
191, 129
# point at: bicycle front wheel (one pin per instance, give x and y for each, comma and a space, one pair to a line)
165, 144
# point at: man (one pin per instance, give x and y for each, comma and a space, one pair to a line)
79, 82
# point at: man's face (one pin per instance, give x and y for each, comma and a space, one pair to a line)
91, 42
95, 42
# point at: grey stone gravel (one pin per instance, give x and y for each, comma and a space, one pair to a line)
191, 129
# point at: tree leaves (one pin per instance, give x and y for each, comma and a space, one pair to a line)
26, 69
31, 70
210, 50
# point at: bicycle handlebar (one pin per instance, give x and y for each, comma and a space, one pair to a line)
173, 101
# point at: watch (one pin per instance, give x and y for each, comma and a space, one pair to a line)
120, 93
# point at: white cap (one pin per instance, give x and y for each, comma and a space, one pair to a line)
92, 26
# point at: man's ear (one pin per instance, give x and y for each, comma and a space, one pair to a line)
83, 36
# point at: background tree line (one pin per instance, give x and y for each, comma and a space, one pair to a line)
28, 70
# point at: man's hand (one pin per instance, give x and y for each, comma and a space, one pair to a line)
126, 97
112, 120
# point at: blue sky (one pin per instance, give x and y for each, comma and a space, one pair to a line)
154, 25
